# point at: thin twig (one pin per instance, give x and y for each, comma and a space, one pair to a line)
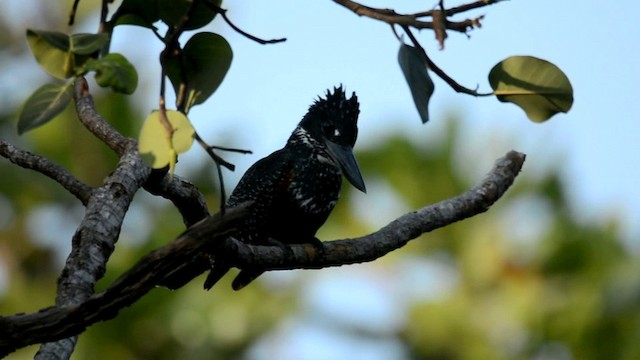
241, 151
72, 13
104, 11
48, 168
471, 6
390, 16
219, 162
223, 13
433, 67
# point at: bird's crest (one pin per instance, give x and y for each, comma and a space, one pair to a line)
336, 103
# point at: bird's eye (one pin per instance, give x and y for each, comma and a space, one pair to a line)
330, 131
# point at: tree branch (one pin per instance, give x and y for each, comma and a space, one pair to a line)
213, 236
183, 194
88, 116
223, 13
391, 237
95, 238
436, 70
29, 160
59, 322
439, 26
391, 17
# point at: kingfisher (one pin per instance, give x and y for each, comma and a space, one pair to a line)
292, 191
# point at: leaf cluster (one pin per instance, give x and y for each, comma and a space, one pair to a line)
195, 70
66, 57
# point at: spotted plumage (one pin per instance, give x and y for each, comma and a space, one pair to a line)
293, 190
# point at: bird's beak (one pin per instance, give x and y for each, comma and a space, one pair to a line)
343, 155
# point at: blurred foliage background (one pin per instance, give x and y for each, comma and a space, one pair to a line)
525, 280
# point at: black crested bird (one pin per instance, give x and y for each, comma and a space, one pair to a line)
293, 190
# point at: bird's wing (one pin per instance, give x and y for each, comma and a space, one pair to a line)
265, 181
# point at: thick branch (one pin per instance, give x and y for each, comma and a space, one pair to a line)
391, 237
46, 167
56, 323
95, 238
212, 235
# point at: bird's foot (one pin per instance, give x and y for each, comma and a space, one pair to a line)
286, 249
318, 245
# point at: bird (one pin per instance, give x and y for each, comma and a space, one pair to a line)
292, 191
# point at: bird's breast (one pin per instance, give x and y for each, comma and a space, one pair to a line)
316, 190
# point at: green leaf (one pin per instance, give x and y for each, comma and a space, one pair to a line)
56, 39
51, 50
539, 87
416, 73
173, 11
115, 71
43, 105
154, 144
133, 19
206, 58
62, 55
137, 12
87, 44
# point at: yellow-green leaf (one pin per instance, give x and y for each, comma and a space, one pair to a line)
59, 54
157, 147
43, 105
51, 50
539, 87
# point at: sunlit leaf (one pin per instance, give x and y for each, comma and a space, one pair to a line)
51, 50
154, 144
416, 73
207, 58
115, 71
86, 44
539, 87
173, 11
43, 105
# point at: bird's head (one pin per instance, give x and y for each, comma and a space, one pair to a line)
332, 124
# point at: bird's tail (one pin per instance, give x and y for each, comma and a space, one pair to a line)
216, 273
182, 275
244, 278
